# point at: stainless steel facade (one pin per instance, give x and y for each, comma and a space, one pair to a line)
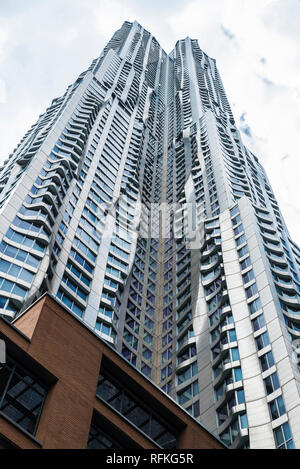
134, 201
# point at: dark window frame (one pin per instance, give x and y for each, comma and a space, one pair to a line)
124, 391
16, 369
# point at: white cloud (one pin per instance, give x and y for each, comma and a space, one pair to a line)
44, 46
2, 92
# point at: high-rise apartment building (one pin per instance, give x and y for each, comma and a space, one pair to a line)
134, 201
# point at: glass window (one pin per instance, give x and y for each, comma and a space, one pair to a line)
166, 372
258, 322
238, 229
19, 254
248, 276
255, 306
188, 393
69, 302
234, 210
271, 383
245, 263
75, 288
194, 409
243, 421
167, 339
238, 376
266, 361
129, 355
138, 414
147, 353
251, 291
190, 352
188, 373
148, 338
236, 220
235, 354
240, 396
243, 251
241, 240
277, 408
262, 341
98, 439
131, 339
21, 396
283, 437
232, 432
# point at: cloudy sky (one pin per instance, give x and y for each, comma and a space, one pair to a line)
45, 44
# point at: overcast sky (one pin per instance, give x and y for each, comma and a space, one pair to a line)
46, 44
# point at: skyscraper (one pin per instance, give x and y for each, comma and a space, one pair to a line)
134, 201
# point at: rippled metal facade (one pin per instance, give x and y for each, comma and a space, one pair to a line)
135, 202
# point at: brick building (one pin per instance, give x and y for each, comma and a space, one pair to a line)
63, 387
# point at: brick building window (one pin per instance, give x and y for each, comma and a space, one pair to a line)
98, 439
114, 393
21, 395
104, 435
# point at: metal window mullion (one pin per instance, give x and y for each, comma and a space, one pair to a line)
144, 423
161, 434
7, 385
122, 393
130, 409
114, 396
39, 415
27, 387
19, 406
150, 424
